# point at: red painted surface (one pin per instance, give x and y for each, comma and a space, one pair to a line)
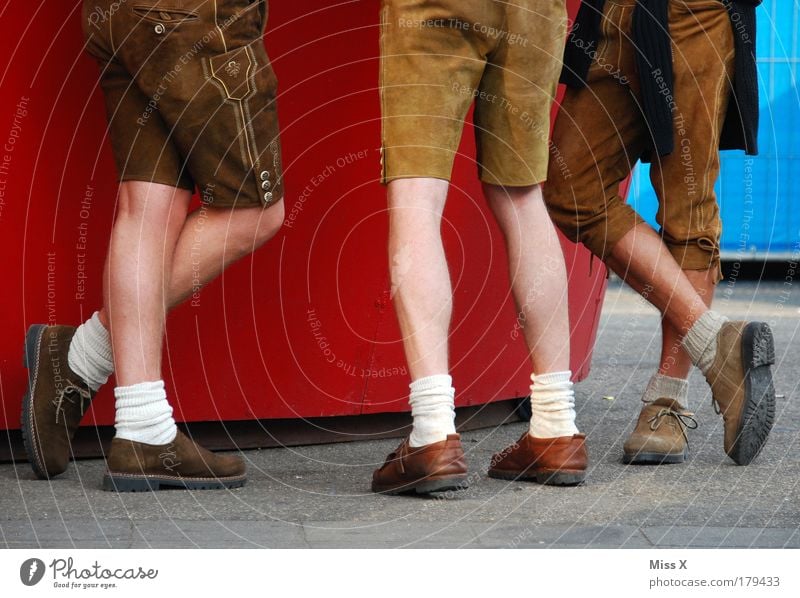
303, 328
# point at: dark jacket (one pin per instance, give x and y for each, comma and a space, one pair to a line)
650, 31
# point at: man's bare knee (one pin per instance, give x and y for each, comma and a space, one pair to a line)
498, 193
514, 207
421, 194
250, 228
269, 222
154, 203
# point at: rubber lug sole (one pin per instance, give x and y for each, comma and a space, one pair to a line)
449, 484
128, 483
758, 411
654, 458
548, 478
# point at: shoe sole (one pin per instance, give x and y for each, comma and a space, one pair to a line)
428, 486
654, 458
142, 483
758, 411
561, 477
30, 359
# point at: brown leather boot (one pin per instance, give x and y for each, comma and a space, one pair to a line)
136, 467
660, 434
436, 467
741, 387
554, 461
55, 402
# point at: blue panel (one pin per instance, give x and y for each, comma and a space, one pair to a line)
759, 195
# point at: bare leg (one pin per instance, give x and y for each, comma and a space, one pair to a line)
641, 260
538, 273
212, 239
148, 222
420, 279
675, 361
539, 283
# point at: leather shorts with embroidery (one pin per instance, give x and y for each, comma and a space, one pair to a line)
190, 95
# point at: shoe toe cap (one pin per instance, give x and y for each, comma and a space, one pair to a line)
229, 465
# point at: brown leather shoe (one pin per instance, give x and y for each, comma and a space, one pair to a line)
55, 402
660, 434
137, 467
554, 461
741, 387
436, 467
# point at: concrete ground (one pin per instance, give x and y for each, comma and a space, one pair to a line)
319, 496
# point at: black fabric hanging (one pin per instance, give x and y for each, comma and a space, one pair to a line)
582, 43
650, 35
650, 32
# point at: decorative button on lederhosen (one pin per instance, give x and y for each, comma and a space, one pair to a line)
264, 175
268, 196
159, 28
266, 185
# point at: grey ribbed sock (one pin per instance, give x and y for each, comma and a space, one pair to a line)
701, 340
667, 387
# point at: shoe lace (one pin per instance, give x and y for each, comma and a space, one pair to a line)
66, 394
401, 455
715, 405
397, 456
684, 419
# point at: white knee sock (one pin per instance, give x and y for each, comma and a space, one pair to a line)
432, 401
90, 354
661, 386
143, 413
701, 340
552, 405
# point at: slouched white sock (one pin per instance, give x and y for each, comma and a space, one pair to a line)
701, 340
432, 401
661, 386
90, 355
143, 413
552, 405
